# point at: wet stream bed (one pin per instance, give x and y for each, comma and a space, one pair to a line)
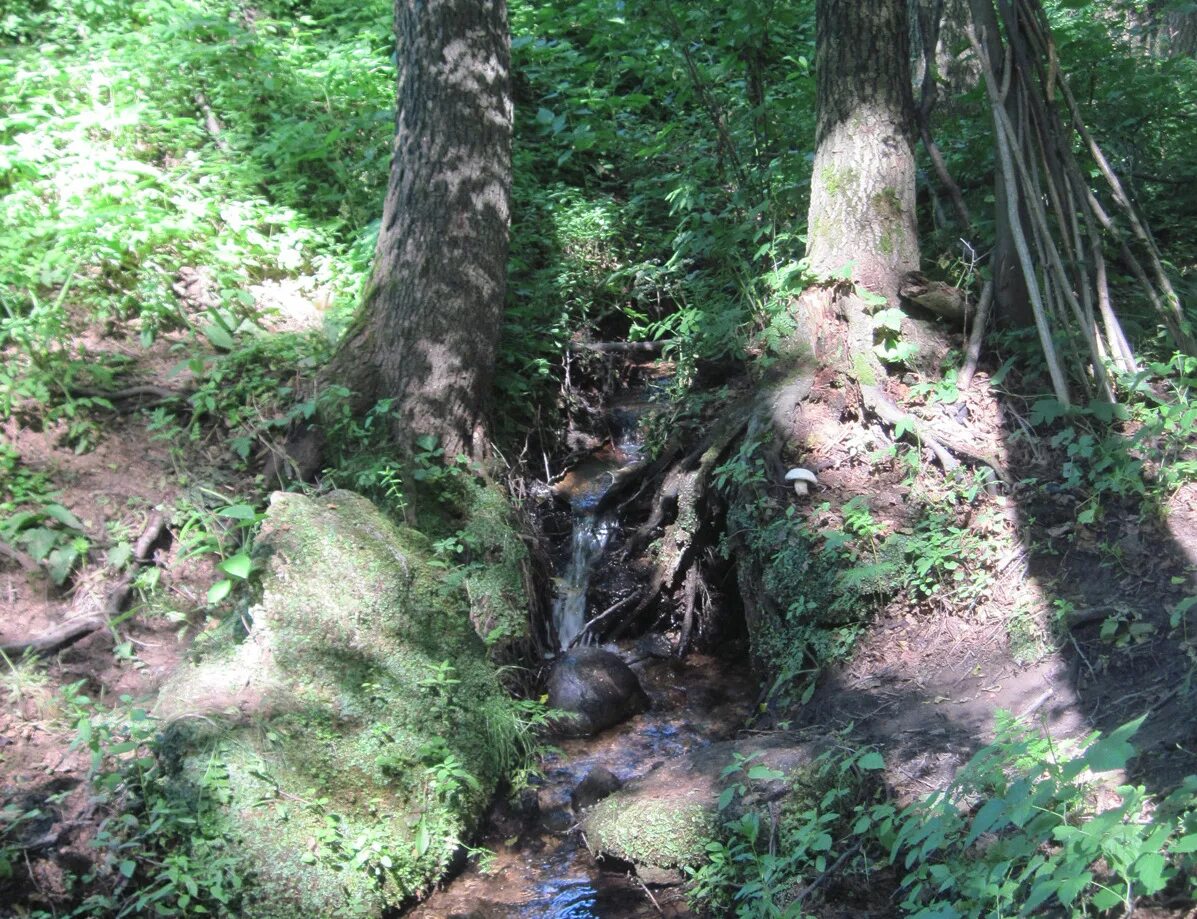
540, 865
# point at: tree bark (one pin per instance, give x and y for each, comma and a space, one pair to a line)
429, 326
862, 208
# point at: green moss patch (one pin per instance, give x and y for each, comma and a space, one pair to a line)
355, 735
661, 834
666, 818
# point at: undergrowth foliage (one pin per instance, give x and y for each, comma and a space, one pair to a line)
1026, 828
139, 137
661, 165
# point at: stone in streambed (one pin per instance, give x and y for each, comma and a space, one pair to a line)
599, 783
596, 688
665, 818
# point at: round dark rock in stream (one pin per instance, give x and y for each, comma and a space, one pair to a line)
599, 782
596, 688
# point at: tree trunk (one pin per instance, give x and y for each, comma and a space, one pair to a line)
429, 326
862, 190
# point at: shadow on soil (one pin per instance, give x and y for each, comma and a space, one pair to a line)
1103, 648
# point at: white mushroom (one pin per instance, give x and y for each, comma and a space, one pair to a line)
803, 479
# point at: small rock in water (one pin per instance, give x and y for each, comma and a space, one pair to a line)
654, 644
596, 688
557, 821
659, 877
599, 783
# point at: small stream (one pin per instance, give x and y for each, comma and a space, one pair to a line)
540, 865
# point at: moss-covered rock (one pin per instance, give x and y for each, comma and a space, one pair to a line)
356, 733
658, 833
666, 818
498, 580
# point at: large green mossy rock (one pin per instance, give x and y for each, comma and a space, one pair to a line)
665, 818
346, 743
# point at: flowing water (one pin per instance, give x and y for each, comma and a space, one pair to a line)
539, 866
584, 485
590, 537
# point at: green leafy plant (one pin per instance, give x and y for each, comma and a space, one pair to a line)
50, 534
204, 532
762, 862
1017, 832
1035, 841
156, 854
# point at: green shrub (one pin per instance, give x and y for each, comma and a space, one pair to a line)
1021, 831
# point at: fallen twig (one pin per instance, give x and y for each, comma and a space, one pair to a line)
839, 863
648, 893
602, 617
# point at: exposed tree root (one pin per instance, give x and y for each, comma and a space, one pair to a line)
89, 618
24, 559
948, 452
621, 347
157, 394
680, 511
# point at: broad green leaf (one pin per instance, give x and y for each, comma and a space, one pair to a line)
726, 797
423, 839
219, 591
60, 562
119, 555
1113, 752
1150, 868
1104, 898
239, 565
39, 541
63, 516
238, 512
218, 337
1070, 888
871, 761
986, 818
890, 319
1184, 845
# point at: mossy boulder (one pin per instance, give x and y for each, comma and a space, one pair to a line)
499, 582
665, 818
353, 736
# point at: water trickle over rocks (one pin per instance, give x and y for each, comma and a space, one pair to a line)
649, 709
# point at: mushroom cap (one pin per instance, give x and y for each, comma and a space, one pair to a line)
797, 474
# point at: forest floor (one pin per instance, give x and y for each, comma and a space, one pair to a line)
1064, 623
134, 464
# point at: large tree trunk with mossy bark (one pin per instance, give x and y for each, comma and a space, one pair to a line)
429, 327
862, 189
862, 234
